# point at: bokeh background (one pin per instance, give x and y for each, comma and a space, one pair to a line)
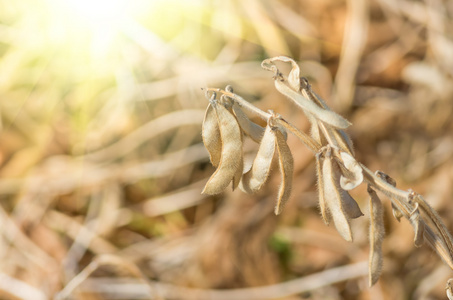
102, 164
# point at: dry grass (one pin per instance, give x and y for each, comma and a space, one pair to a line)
102, 162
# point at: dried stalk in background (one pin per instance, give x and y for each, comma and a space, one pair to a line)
337, 169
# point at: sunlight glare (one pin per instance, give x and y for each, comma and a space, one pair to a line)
99, 12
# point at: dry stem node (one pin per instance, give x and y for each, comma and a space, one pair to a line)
228, 119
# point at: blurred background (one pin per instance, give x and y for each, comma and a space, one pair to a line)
102, 164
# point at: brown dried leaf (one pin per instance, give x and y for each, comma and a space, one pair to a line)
286, 164
211, 135
332, 195
377, 233
254, 179
231, 154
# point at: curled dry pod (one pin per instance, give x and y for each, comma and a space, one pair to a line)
286, 164
332, 195
251, 129
294, 74
254, 179
231, 155
322, 201
377, 234
211, 135
354, 176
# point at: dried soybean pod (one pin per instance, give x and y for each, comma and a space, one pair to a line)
286, 164
344, 163
355, 177
341, 137
253, 130
333, 197
377, 234
322, 201
254, 179
314, 129
231, 152
350, 206
211, 134
238, 175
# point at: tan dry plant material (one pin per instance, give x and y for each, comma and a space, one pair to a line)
239, 170
286, 165
442, 238
449, 289
322, 200
377, 233
326, 116
254, 179
231, 155
350, 206
313, 145
251, 129
332, 196
397, 214
342, 139
337, 169
418, 225
354, 176
211, 135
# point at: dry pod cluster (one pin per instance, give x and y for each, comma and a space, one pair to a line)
224, 125
227, 122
